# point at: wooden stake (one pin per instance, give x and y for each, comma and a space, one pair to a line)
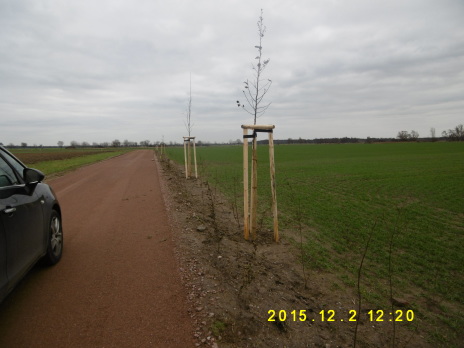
246, 214
185, 159
195, 158
254, 188
273, 187
189, 158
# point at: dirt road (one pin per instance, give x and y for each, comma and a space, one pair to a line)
117, 284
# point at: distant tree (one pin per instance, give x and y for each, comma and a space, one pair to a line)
432, 133
85, 144
257, 88
60, 143
459, 131
456, 134
126, 143
74, 143
116, 143
23, 144
414, 135
403, 135
145, 143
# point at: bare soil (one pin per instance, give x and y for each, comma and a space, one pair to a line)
233, 283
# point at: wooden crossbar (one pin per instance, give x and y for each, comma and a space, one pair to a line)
255, 126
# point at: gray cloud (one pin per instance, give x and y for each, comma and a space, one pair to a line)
100, 70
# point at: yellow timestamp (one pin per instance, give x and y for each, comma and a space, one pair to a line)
331, 316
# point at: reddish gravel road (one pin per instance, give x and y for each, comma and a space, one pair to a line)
118, 283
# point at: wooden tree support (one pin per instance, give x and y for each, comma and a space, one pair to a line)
188, 156
250, 200
162, 149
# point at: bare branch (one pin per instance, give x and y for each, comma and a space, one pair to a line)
188, 124
257, 88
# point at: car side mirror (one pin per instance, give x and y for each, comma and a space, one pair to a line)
32, 176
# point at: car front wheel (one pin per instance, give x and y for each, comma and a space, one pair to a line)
55, 240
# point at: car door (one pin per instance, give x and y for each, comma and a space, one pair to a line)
3, 275
5, 183
22, 220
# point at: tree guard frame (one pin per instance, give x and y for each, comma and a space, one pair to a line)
188, 156
250, 199
162, 149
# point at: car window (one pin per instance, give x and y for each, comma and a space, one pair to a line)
7, 175
14, 162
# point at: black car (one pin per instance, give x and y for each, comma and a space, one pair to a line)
30, 221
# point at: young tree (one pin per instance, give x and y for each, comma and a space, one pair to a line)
188, 123
188, 140
255, 89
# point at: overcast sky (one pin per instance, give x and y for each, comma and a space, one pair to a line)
101, 70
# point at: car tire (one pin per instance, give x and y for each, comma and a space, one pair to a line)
54, 240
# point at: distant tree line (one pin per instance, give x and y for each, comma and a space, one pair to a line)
84, 144
344, 140
114, 143
455, 134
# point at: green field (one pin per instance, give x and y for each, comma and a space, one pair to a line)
413, 193
59, 160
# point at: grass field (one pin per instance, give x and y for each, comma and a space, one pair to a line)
409, 196
58, 160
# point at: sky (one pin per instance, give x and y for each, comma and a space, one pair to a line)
96, 71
